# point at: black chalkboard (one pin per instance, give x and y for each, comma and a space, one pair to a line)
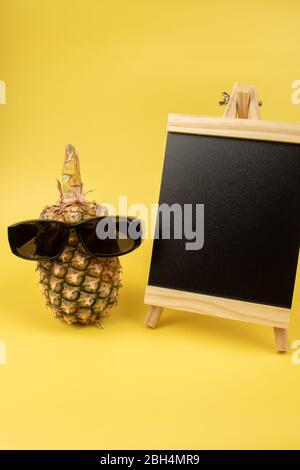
251, 193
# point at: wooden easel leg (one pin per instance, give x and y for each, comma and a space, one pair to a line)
281, 339
153, 316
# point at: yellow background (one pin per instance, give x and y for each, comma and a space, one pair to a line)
103, 76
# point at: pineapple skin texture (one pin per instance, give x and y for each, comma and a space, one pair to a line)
78, 287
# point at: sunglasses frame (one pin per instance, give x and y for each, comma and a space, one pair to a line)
68, 228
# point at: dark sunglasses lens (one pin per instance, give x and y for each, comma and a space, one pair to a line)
37, 240
111, 236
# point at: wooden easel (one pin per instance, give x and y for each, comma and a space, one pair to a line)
243, 104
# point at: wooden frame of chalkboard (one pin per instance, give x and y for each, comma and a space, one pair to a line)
158, 295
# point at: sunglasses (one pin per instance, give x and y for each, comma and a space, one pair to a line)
105, 236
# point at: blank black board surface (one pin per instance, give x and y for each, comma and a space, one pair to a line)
251, 194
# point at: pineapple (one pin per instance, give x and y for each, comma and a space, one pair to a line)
78, 287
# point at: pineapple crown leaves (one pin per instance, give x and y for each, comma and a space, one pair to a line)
71, 187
